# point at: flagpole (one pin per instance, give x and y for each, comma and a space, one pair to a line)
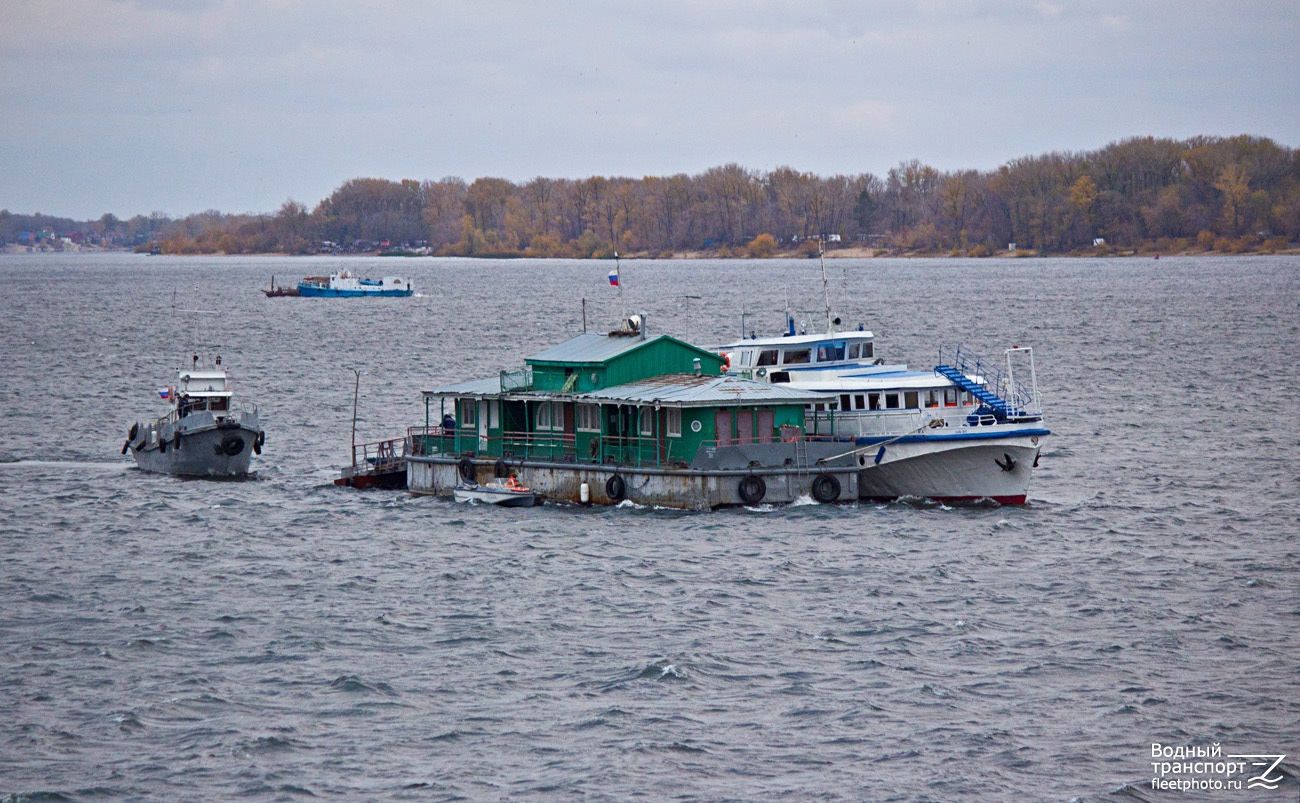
622, 308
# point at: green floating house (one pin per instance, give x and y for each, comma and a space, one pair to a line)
606, 417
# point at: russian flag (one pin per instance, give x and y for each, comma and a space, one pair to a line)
613, 277
165, 394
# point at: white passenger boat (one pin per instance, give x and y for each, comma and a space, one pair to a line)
967, 430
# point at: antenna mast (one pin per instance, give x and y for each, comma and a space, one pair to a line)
826, 290
356, 391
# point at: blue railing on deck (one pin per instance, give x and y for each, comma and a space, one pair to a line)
1015, 397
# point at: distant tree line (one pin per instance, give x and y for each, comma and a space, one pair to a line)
1224, 194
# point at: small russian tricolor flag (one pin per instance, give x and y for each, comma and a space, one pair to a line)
613, 277
165, 393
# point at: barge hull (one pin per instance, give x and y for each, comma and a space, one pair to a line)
687, 489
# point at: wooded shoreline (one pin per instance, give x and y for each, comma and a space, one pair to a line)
1143, 195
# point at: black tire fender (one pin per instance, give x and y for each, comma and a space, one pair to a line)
135, 430
615, 488
232, 445
826, 488
466, 469
752, 489
500, 469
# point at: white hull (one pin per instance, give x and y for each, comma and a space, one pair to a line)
996, 469
490, 495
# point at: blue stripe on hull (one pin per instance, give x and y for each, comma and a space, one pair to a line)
316, 292
967, 436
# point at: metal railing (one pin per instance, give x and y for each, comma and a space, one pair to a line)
380, 455
556, 447
517, 380
994, 377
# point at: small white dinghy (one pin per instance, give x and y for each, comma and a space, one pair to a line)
506, 492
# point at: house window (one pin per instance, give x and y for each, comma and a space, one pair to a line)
673, 422
796, 356
467, 412
544, 415
767, 357
494, 414
646, 421
587, 418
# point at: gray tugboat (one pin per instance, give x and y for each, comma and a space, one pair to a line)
203, 435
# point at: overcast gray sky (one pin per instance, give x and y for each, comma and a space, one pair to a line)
134, 106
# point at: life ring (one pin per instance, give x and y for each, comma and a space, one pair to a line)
232, 445
500, 469
135, 430
726, 363
752, 489
615, 488
466, 468
826, 488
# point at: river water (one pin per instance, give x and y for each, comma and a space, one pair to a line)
282, 639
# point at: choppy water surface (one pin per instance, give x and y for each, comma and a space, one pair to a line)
281, 639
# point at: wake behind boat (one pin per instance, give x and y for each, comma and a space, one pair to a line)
345, 284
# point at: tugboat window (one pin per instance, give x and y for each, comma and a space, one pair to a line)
796, 356
767, 357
